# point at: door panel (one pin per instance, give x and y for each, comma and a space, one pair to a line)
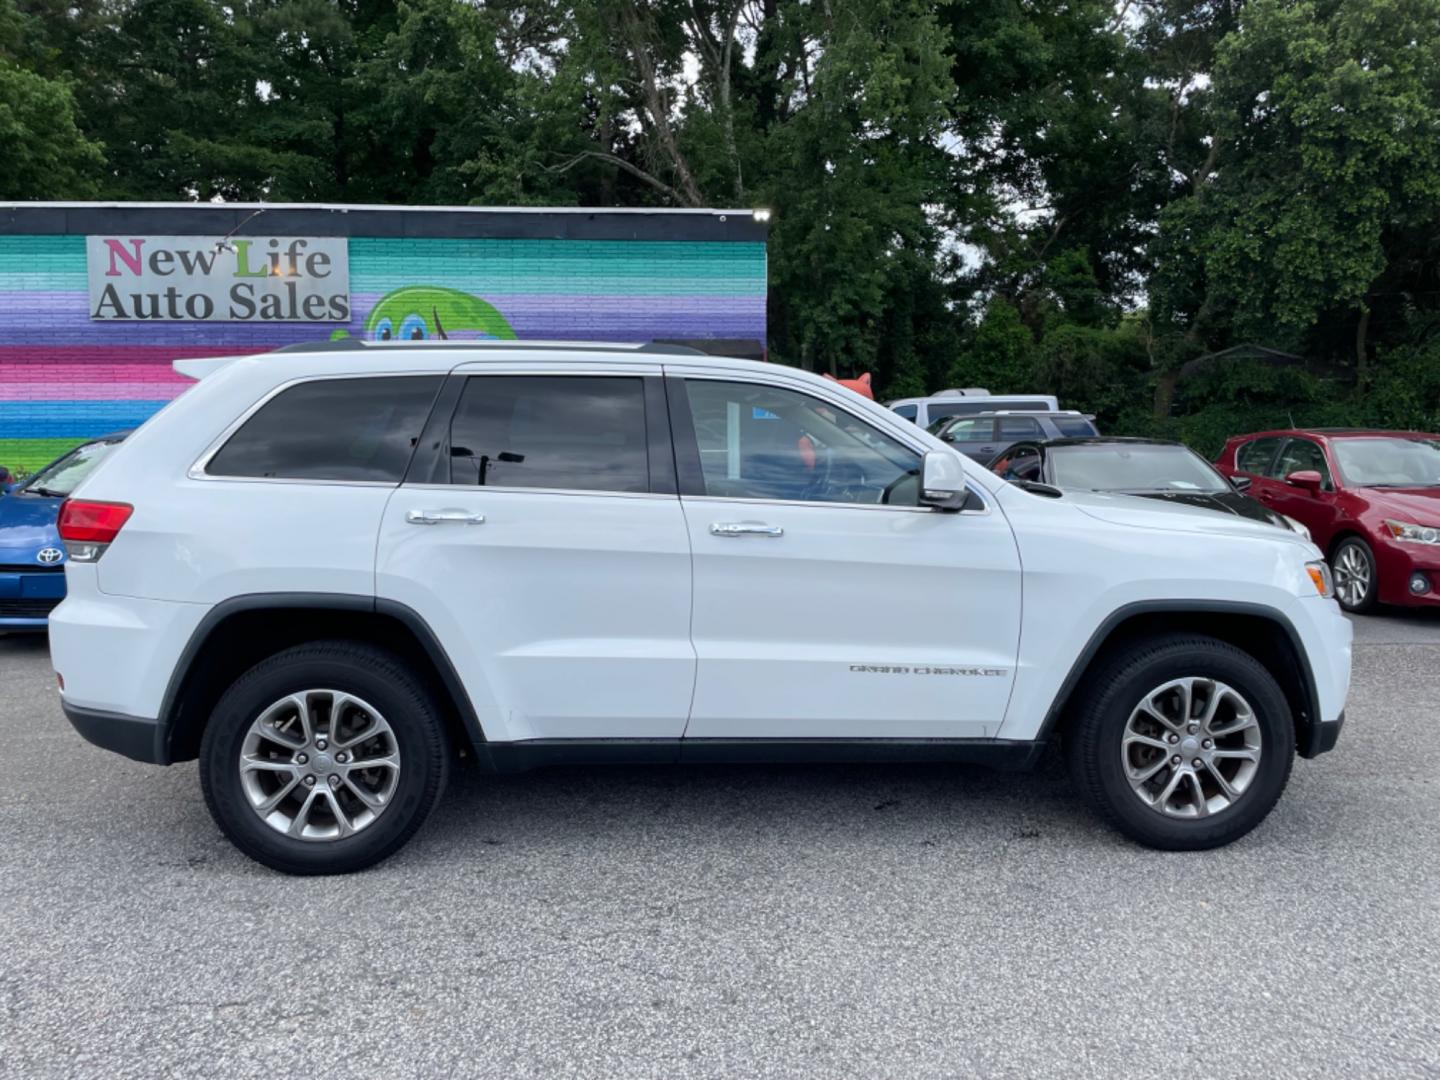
829, 608
566, 615
852, 623
564, 604
1315, 512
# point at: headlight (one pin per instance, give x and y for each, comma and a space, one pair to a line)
1319, 572
1296, 526
1407, 533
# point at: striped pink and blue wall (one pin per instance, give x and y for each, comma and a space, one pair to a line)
65, 377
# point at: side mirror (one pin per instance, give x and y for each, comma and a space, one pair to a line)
942, 482
1306, 479
1240, 483
949, 436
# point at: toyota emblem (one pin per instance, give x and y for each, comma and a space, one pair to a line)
49, 556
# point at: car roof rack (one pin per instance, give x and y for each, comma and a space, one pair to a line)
353, 344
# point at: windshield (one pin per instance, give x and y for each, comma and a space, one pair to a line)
1137, 467
1389, 462
62, 477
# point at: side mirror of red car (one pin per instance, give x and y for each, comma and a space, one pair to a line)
1308, 479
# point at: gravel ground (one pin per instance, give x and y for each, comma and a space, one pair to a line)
730, 922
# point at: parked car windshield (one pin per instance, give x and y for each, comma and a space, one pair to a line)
1133, 467
61, 477
1389, 462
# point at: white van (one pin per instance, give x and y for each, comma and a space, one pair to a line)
925, 411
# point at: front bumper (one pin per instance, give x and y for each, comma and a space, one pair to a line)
1396, 563
28, 596
134, 737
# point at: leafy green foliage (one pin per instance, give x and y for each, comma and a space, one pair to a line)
1076, 198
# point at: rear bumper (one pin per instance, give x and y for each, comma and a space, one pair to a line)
135, 737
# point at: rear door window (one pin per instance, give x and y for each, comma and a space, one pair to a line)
558, 432
909, 412
1019, 427
332, 429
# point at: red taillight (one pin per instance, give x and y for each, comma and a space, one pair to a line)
83, 522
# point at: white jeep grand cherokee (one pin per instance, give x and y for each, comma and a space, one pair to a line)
322, 571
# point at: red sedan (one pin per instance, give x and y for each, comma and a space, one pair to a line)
1371, 500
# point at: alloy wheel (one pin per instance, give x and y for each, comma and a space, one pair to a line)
1191, 747
1352, 576
319, 765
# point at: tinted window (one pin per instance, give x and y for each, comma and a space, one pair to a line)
909, 412
1257, 456
1302, 454
1015, 427
332, 429
1074, 427
764, 442
567, 432
965, 408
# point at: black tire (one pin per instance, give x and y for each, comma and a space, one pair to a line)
1361, 549
378, 678
1094, 748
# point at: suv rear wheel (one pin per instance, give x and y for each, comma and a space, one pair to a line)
1183, 742
324, 758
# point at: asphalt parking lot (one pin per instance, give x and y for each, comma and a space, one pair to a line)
877, 922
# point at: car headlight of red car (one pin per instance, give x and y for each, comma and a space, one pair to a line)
1409, 533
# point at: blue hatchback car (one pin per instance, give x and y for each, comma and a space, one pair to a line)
32, 558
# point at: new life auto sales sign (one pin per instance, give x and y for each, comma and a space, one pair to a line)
219, 279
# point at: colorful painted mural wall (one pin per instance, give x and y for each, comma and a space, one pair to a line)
66, 375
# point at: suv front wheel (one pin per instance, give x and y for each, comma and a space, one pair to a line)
1183, 742
324, 758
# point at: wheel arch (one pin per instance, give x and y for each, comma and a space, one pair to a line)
1261, 631
239, 632
1347, 532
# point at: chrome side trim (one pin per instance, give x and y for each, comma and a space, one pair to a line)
982, 512
496, 489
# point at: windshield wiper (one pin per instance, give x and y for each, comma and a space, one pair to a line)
49, 493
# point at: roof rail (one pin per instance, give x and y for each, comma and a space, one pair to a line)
352, 344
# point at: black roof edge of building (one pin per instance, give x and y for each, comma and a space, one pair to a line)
417, 222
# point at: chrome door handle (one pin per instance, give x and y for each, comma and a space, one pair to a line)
444, 517
745, 528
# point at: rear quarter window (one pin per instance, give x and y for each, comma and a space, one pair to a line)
1074, 427
332, 429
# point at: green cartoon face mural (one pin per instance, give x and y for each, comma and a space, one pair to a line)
418, 312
